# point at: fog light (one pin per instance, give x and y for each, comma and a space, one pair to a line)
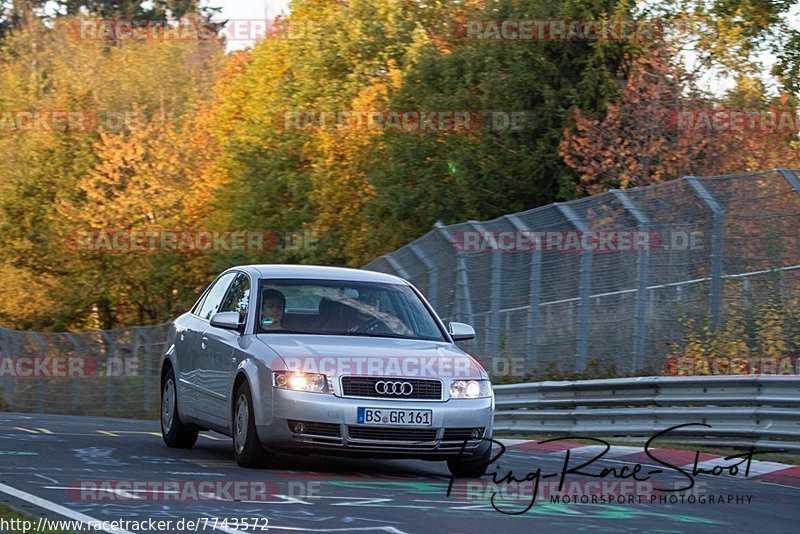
299, 427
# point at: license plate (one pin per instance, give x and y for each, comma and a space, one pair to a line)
393, 417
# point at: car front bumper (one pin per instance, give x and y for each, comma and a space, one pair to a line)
331, 426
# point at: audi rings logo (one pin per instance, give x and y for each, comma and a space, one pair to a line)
384, 387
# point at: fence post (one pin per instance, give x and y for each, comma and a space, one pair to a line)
642, 272
582, 341
401, 272
433, 274
717, 247
76, 386
144, 339
534, 298
791, 177
493, 319
463, 294
5, 352
110, 353
12, 349
41, 388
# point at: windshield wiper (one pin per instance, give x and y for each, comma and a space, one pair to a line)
283, 331
370, 334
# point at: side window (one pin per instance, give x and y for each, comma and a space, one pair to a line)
214, 297
199, 305
238, 297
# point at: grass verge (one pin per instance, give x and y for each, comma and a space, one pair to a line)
12, 516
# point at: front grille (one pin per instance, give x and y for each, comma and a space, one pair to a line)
317, 429
391, 434
364, 386
460, 434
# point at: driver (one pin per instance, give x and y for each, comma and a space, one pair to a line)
273, 303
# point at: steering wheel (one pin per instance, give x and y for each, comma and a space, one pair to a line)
370, 326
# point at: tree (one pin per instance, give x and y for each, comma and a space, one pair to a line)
42, 179
424, 177
657, 131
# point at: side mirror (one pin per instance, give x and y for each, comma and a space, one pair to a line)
461, 331
227, 320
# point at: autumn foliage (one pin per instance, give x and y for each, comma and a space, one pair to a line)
186, 138
643, 139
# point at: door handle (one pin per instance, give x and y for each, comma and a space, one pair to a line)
204, 343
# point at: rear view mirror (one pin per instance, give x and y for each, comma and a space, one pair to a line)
461, 331
227, 320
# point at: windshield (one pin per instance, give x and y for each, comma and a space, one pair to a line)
330, 307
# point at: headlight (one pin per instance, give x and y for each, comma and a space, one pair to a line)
470, 389
299, 381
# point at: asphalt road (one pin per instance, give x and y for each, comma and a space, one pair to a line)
86, 467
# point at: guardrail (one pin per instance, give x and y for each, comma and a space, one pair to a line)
763, 411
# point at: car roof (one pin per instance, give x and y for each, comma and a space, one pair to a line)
318, 272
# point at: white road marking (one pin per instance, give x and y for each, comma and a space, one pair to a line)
363, 502
284, 499
595, 450
510, 442
56, 508
122, 493
156, 434
49, 479
130, 494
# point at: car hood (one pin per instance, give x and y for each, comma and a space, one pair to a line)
372, 356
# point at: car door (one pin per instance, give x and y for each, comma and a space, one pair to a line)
220, 352
197, 343
185, 364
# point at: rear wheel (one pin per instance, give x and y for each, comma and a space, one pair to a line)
472, 467
174, 432
247, 448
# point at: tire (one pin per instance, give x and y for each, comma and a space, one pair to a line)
471, 468
247, 448
174, 432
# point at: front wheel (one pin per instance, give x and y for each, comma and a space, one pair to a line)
247, 448
472, 467
174, 432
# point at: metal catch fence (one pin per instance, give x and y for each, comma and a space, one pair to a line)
104, 372
616, 279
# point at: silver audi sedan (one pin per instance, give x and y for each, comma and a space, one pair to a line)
329, 360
